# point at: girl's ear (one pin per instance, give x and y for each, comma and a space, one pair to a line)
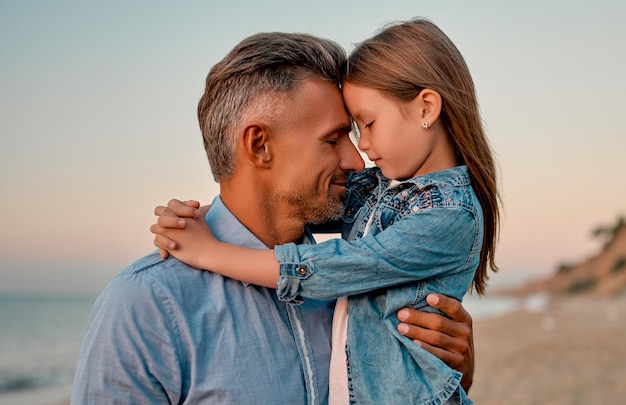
429, 103
256, 145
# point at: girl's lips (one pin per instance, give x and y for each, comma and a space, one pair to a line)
372, 159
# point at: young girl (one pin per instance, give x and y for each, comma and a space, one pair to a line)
412, 98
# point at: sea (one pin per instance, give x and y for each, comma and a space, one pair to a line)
41, 334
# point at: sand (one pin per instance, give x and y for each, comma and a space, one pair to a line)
572, 352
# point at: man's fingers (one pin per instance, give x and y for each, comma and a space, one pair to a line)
449, 338
449, 349
433, 337
430, 321
449, 306
453, 360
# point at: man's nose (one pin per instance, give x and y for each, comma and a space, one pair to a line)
349, 157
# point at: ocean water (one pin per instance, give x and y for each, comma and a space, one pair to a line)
490, 306
40, 336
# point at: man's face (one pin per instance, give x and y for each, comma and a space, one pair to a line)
313, 153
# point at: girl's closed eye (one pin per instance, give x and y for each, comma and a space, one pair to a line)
369, 124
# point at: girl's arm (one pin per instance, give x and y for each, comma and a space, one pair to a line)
182, 232
420, 246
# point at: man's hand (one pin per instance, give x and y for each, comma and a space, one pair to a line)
452, 340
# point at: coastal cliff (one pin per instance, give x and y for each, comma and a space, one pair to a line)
602, 275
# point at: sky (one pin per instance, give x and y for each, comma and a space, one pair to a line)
98, 120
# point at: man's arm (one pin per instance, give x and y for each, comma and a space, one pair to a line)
452, 340
128, 353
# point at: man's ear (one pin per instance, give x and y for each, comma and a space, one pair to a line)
256, 146
429, 103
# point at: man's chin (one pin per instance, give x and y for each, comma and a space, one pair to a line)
332, 211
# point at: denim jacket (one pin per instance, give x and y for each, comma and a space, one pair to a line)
434, 246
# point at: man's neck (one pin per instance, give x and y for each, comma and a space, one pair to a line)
271, 224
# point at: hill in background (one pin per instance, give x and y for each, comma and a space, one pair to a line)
602, 275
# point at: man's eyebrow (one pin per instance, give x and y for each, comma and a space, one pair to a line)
337, 131
343, 129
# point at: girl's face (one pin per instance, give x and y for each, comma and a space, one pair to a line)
391, 133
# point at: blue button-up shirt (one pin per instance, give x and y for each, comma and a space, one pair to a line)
163, 332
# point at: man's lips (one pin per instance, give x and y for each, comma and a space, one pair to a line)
339, 181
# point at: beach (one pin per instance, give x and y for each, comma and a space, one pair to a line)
561, 351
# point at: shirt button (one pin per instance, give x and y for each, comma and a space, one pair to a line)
302, 270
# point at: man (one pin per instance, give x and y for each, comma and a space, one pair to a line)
277, 138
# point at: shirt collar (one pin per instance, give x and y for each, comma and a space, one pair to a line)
227, 228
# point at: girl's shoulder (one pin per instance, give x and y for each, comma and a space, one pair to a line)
457, 176
446, 189
361, 187
366, 180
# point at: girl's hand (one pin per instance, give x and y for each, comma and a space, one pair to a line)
174, 217
181, 231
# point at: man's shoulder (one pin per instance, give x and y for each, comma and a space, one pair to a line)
152, 269
154, 279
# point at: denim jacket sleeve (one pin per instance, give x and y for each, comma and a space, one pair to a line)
420, 246
129, 354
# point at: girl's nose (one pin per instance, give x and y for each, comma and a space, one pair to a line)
349, 157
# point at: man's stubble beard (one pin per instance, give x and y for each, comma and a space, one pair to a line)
332, 209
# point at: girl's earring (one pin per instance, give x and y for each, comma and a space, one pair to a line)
425, 125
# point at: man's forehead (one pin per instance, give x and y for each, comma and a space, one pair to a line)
320, 100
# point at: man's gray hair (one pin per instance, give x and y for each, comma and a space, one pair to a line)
251, 80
